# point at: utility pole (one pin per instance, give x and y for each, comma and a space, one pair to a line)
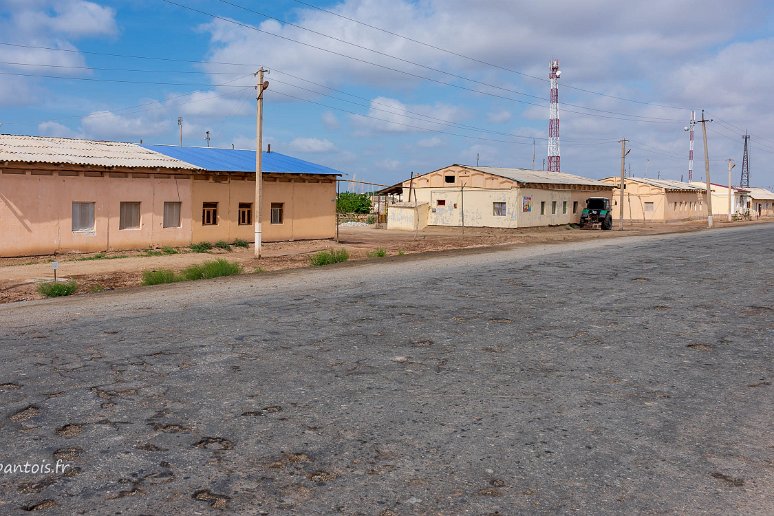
180, 125
207, 137
260, 87
707, 169
624, 153
744, 182
731, 165
533, 154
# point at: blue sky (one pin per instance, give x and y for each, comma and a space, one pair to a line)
377, 105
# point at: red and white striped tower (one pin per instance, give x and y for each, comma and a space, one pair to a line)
690, 151
553, 120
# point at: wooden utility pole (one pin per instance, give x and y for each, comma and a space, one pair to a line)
731, 165
624, 152
707, 169
260, 87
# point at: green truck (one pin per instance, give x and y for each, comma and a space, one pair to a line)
596, 214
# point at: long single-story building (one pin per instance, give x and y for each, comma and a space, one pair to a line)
658, 200
73, 195
463, 195
739, 199
299, 197
761, 202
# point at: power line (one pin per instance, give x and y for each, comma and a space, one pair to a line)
630, 117
123, 81
132, 70
480, 61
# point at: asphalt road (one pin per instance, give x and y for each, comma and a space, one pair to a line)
620, 376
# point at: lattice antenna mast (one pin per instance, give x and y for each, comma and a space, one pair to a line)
744, 182
690, 148
554, 160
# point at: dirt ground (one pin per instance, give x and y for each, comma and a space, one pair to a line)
20, 277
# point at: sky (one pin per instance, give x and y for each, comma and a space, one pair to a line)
379, 89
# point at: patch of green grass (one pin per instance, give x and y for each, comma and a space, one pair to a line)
57, 288
96, 288
222, 244
98, 256
212, 269
379, 252
329, 257
152, 252
101, 256
241, 243
169, 250
201, 247
259, 270
158, 277
401, 253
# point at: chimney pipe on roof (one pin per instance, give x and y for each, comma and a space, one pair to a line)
269, 148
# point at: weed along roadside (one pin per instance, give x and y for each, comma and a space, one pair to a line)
206, 270
329, 257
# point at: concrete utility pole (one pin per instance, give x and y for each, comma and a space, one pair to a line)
731, 165
624, 153
707, 169
180, 125
207, 137
260, 87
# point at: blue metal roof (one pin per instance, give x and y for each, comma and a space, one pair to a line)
237, 160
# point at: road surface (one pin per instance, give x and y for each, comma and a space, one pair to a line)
619, 376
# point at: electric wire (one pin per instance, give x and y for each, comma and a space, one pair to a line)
629, 117
480, 61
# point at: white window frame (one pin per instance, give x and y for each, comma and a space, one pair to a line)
499, 209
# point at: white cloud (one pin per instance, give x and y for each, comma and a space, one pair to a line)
391, 115
51, 128
70, 18
210, 104
499, 117
311, 145
330, 120
105, 124
430, 143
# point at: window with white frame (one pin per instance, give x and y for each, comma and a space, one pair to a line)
498, 209
83, 216
129, 215
553, 207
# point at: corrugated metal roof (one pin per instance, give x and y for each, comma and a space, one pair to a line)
526, 176
239, 160
71, 151
761, 194
666, 184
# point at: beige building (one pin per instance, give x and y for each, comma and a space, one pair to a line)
460, 195
69, 195
761, 202
720, 199
657, 200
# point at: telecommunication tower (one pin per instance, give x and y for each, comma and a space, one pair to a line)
554, 164
690, 148
744, 182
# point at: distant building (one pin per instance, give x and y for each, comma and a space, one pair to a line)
739, 199
761, 202
658, 200
461, 195
72, 195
